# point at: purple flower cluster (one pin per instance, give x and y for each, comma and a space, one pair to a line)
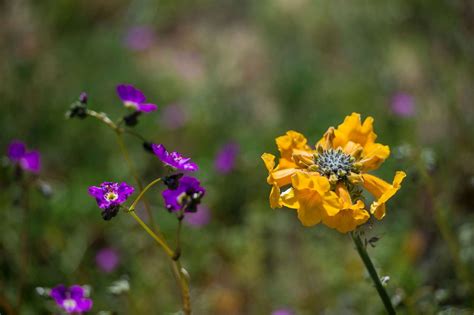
110, 196
134, 98
185, 197
174, 159
71, 300
28, 160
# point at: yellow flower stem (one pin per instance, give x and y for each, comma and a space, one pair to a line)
362, 251
173, 255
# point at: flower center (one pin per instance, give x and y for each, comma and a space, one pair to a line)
69, 305
111, 196
334, 163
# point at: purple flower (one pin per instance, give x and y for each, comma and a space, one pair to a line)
283, 311
27, 160
107, 259
72, 299
173, 117
226, 157
139, 38
134, 98
199, 218
174, 159
402, 104
110, 196
185, 197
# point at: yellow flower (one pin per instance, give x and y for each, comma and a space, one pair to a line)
317, 181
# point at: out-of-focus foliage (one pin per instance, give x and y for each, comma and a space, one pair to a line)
241, 72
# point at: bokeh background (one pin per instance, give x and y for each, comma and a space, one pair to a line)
237, 74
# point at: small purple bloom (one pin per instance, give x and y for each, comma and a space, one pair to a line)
28, 160
226, 158
110, 196
139, 38
173, 117
283, 311
403, 105
134, 98
107, 259
72, 299
186, 196
83, 98
174, 159
199, 218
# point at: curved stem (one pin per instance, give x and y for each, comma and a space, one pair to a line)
373, 273
157, 238
142, 193
126, 156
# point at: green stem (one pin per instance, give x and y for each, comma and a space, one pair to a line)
373, 273
129, 162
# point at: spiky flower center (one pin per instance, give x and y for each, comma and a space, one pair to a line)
335, 164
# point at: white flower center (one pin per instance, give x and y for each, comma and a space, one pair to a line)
69, 305
111, 196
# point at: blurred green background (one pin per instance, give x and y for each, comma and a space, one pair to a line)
242, 72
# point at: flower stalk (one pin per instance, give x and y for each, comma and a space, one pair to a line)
362, 251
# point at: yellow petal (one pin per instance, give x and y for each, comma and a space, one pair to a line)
289, 200
348, 219
382, 191
275, 200
281, 177
374, 155
269, 161
310, 207
325, 142
290, 141
311, 181
353, 130
331, 203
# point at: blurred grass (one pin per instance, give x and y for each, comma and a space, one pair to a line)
243, 71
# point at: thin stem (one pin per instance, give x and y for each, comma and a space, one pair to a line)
157, 238
135, 134
373, 273
184, 286
103, 118
142, 193
129, 162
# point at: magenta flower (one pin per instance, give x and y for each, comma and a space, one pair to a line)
226, 158
28, 160
174, 159
107, 259
110, 196
402, 104
71, 300
134, 98
199, 218
139, 38
185, 197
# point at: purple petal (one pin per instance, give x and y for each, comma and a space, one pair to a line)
159, 150
77, 292
128, 93
96, 192
171, 199
146, 108
58, 293
16, 150
84, 305
31, 161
